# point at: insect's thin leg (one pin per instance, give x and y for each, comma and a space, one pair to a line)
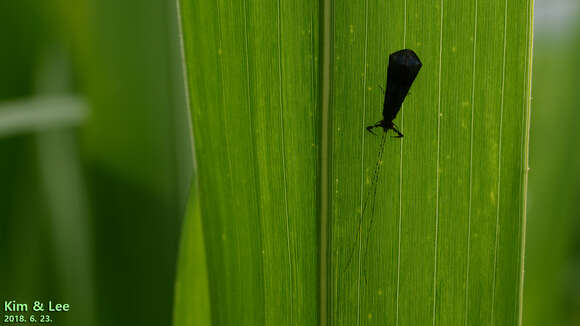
378, 124
399, 134
382, 89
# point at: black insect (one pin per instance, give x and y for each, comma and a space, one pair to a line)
404, 65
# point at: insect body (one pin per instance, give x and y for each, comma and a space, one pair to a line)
404, 65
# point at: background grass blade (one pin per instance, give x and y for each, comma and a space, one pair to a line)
41, 113
552, 290
191, 285
252, 73
445, 235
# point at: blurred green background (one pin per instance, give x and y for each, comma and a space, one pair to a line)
96, 160
96, 157
552, 274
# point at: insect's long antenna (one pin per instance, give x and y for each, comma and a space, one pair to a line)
375, 181
374, 191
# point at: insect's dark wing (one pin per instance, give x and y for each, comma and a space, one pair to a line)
404, 65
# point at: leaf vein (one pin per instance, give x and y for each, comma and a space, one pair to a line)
401, 181
499, 166
437, 171
284, 166
471, 166
362, 164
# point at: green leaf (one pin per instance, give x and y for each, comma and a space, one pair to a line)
280, 97
191, 285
